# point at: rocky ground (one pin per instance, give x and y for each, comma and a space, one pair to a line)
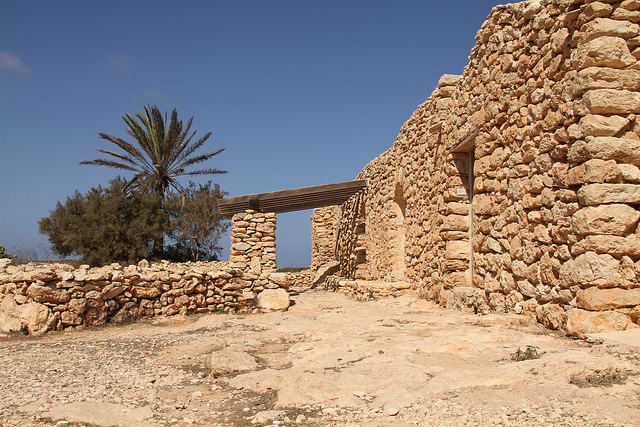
328, 361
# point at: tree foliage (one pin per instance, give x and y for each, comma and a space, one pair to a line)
164, 150
5, 254
195, 220
104, 225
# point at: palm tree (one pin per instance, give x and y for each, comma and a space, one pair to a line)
165, 150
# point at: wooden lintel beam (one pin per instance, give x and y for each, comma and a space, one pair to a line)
292, 200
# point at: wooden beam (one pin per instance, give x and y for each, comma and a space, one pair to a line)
292, 200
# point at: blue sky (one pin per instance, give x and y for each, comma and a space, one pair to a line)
299, 92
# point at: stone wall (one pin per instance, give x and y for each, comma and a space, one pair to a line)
515, 187
324, 223
37, 298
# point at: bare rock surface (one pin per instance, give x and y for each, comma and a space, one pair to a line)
327, 361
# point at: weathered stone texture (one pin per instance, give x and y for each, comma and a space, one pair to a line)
38, 299
520, 178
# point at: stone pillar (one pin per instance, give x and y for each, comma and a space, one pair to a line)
253, 246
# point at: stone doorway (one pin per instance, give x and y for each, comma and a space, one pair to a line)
397, 233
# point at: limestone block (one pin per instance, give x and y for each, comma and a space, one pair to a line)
47, 294
457, 249
273, 299
519, 268
255, 266
626, 15
240, 247
559, 39
266, 227
622, 150
484, 204
595, 10
616, 219
68, 318
595, 194
611, 101
581, 322
35, 317
467, 299
9, 315
603, 52
629, 173
456, 223
325, 271
526, 288
596, 299
491, 244
454, 235
607, 78
449, 80
596, 125
591, 269
614, 245
454, 279
600, 27
142, 292
457, 208
280, 279
77, 305
552, 316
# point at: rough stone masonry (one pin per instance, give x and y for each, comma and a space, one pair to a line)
515, 187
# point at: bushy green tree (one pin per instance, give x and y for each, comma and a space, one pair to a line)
105, 225
163, 151
195, 220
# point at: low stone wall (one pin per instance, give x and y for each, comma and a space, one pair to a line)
37, 298
366, 290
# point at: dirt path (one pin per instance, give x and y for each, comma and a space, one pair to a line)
329, 360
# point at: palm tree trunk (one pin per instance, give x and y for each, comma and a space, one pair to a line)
160, 217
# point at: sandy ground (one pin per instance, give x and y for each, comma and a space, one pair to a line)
328, 361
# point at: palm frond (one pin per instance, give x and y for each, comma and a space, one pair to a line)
208, 171
164, 149
110, 163
199, 159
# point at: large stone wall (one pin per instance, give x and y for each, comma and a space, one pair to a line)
515, 187
43, 297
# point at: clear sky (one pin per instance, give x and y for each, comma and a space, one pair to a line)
299, 92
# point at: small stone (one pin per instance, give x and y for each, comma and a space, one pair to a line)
392, 411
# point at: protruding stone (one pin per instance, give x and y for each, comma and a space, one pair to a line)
325, 271
449, 80
616, 219
47, 294
273, 299
596, 299
610, 101
622, 150
603, 52
591, 269
597, 125
581, 322
595, 194
604, 27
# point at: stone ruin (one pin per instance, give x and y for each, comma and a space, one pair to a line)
515, 187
